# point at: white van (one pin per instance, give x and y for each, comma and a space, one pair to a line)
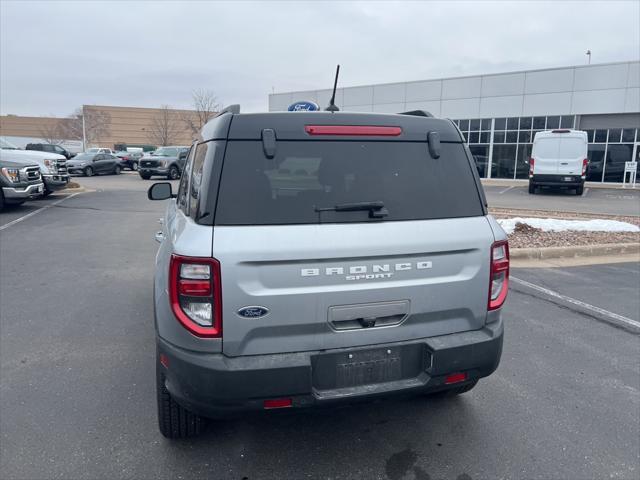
558, 159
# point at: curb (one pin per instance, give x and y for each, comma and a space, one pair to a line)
573, 252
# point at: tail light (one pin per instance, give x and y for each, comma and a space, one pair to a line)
499, 279
585, 163
195, 294
531, 163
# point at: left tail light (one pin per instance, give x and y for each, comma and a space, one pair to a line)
499, 277
531, 165
195, 294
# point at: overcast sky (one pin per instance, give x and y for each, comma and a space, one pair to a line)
56, 56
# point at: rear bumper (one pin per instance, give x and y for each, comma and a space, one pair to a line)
213, 385
23, 193
557, 180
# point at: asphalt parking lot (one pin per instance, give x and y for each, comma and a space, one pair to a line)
593, 200
77, 390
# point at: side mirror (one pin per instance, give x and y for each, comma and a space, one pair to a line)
160, 191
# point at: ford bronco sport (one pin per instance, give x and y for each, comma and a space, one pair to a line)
311, 258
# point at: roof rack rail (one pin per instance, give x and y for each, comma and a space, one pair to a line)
417, 113
235, 109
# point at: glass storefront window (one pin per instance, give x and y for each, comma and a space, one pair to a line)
628, 135
486, 124
481, 155
595, 155
512, 123
474, 125
524, 137
485, 137
464, 125
474, 137
538, 123
503, 163
465, 136
616, 156
525, 123
500, 124
589, 135
512, 137
553, 122
601, 136
522, 160
614, 135
566, 121
533, 134
498, 137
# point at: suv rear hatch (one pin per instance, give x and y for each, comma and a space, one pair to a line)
410, 262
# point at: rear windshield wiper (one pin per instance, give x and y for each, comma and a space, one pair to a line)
376, 209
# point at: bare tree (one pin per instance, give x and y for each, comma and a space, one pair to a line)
205, 107
165, 127
52, 132
96, 125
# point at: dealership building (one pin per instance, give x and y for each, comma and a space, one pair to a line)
499, 114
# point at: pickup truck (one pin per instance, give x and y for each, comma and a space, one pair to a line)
53, 167
19, 182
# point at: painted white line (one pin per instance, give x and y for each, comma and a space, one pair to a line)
505, 190
35, 212
579, 303
586, 190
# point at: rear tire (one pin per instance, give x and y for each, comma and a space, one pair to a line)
88, 172
532, 188
174, 421
145, 176
116, 170
580, 190
174, 173
134, 166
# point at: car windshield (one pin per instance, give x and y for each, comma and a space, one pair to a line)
93, 150
165, 152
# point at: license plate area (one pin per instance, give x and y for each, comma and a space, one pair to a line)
367, 367
568, 179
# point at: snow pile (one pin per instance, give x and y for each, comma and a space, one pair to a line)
557, 225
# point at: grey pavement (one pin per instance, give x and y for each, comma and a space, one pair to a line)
77, 395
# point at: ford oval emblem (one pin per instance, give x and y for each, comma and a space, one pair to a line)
253, 312
303, 107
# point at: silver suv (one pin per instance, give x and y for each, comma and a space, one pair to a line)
310, 258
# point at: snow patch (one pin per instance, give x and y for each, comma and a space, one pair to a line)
557, 225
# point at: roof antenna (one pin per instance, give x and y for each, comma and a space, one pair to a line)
332, 103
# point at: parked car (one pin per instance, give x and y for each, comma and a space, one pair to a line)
130, 160
47, 147
52, 166
89, 164
19, 182
315, 258
100, 150
559, 159
165, 161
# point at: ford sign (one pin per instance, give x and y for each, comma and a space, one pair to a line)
304, 107
253, 312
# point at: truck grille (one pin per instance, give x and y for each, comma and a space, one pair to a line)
62, 167
32, 173
148, 163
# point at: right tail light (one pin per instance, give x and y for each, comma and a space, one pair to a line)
195, 294
499, 276
585, 163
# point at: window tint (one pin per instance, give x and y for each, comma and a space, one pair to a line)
196, 175
304, 175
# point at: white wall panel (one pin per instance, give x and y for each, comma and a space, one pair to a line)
279, 101
388, 107
418, 91
357, 95
502, 85
547, 104
633, 77
601, 76
632, 100
324, 96
393, 93
461, 88
461, 108
432, 107
357, 108
599, 101
508, 106
549, 81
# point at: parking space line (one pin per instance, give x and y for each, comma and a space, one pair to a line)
28, 215
586, 190
587, 306
505, 190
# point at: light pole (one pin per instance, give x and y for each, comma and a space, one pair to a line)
588, 54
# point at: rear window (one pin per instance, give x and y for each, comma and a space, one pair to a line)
561, 148
307, 175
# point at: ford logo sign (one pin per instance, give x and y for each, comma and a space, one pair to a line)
253, 312
303, 107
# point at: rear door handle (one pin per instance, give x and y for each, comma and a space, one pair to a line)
159, 237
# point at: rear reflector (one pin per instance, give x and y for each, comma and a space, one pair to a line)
355, 130
278, 403
455, 378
